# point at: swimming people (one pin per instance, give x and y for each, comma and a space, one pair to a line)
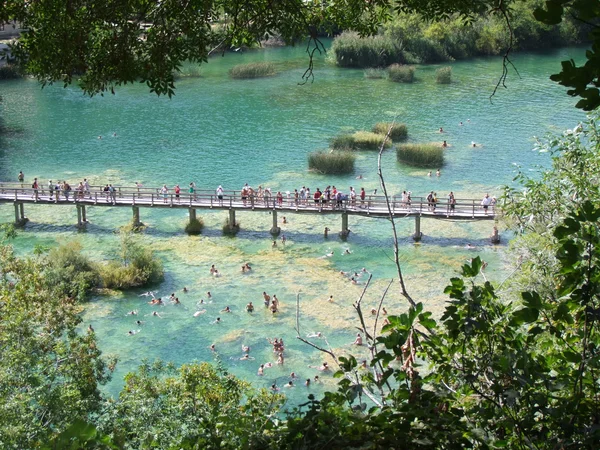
358, 340
250, 307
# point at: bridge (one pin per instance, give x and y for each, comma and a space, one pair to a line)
149, 197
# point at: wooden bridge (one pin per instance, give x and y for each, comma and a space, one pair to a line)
232, 201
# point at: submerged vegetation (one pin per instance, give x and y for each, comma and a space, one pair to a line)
334, 162
253, 70
229, 230
420, 155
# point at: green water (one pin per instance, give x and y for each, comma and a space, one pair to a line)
220, 131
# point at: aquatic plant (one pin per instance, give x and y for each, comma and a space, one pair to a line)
230, 230
375, 73
443, 75
421, 155
401, 73
398, 132
351, 50
194, 226
252, 70
331, 162
360, 140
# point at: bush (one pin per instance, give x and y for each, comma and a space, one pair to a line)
252, 70
332, 162
401, 73
361, 140
137, 266
194, 226
421, 155
398, 132
375, 73
350, 50
10, 72
71, 272
230, 231
443, 75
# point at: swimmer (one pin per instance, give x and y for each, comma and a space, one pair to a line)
441, 130
226, 309
274, 388
290, 384
91, 329
325, 231
429, 173
363, 364
245, 348
246, 357
132, 313
364, 270
115, 134
347, 252
438, 173
274, 244
243, 269
201, 302
329, 255
154, 313
197, 313
307, 382
469, 246
284, 220
293, 375
343, 273
208, 294
280, 359
374, 191
460, 124
176, 301
384, 311
373, 311
330, 299
267, 365
132, 332
139, 322
324, 367
273, 307
261, 370
318, 334
218, 320
212, 269
250, 307
353, 280
184, 289
473, 144
99, 137
247, 266
359, 177
357, 275
212, 347
317, 378
444, 144
283, 239
266, 296
358, 340
216, 273
386, 321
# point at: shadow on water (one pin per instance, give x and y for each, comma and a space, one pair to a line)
297, 237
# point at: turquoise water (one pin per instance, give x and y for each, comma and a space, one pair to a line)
229, 132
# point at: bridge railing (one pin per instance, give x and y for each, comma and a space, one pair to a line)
145, 196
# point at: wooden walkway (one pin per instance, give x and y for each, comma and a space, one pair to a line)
232, 201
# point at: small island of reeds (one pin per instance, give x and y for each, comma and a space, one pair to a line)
401, 73
334, 162
443, 75
194, 226
361, 140
252, 70
420, 155
398, 131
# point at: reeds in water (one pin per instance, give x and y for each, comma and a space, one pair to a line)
398, 132
351, 50
443, 75
194, 226
252, 70
375, 73
401, 73
421, 155
230, 231
10, 72
361, 140
334, 162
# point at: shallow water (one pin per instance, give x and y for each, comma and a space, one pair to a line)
221, 131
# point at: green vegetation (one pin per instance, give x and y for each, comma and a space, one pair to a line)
253, 70
229, 230
372, 73
10, 72
398, 131
194, 226
360, 140
401, 73
135, 267
331, 162
350, 50
420, 155
443, 75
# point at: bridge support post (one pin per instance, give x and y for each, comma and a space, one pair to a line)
81, 220
20, 218
345, 231
495, 237
231, 219
417, 236
83, 213
275, 230
136, 216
